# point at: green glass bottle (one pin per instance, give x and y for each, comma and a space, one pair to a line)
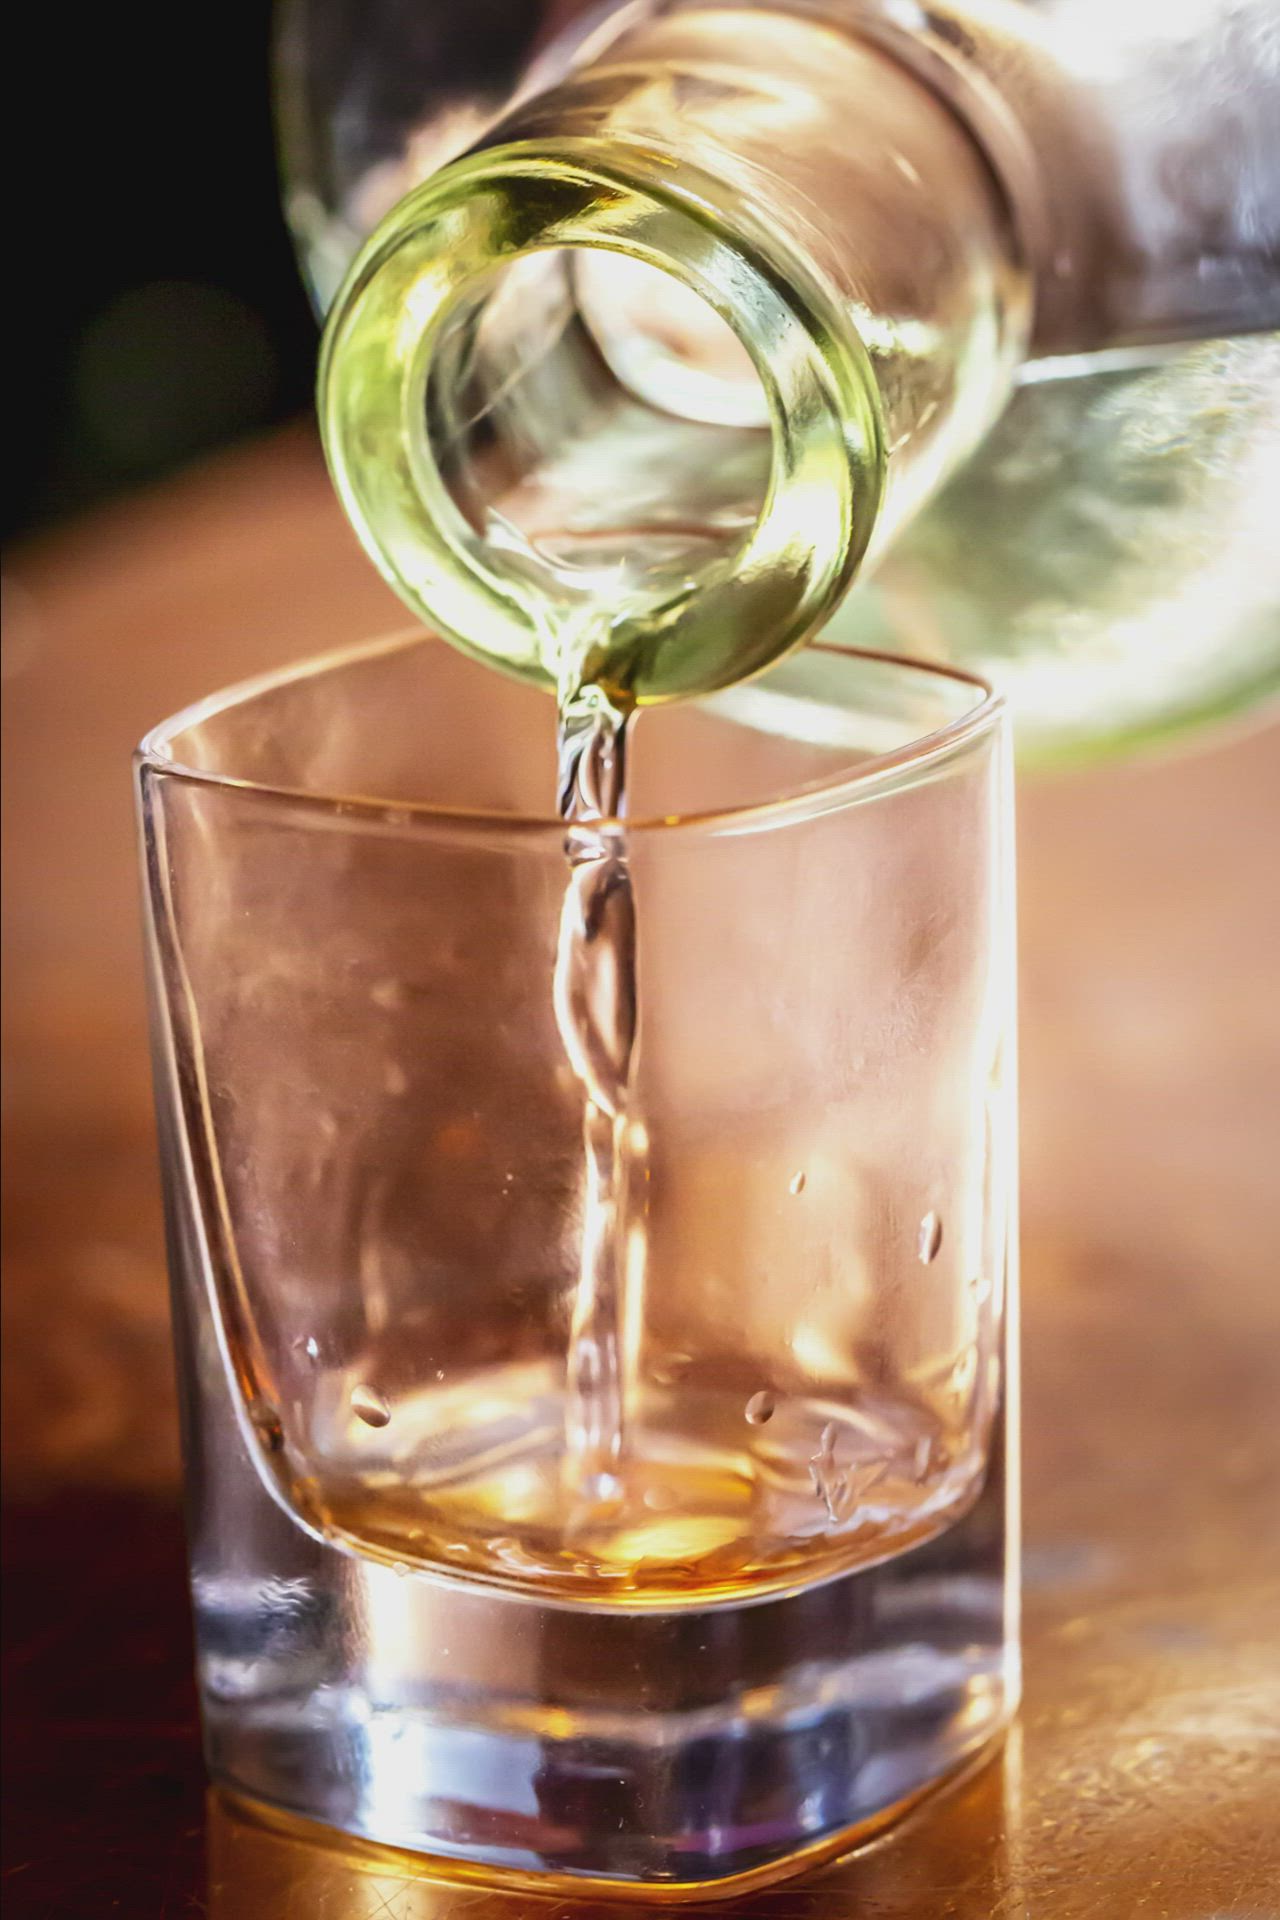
636, 388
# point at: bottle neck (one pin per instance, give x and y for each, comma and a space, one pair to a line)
630, 392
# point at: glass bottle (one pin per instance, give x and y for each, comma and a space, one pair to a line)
728, 296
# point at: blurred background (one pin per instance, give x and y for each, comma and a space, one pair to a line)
170, 529
164, 316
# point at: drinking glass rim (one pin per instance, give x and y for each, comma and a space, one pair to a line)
878, 773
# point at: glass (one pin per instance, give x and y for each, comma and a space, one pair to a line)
798, 1609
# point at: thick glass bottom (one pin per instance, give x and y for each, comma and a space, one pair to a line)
236, 1811
668, 1753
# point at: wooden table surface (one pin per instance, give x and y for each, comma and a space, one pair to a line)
1144, 1775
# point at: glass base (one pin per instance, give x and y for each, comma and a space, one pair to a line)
235, 1812
671, 1753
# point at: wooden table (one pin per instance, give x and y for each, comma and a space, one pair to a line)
1144, 1777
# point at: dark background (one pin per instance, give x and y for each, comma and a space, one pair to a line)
155, 310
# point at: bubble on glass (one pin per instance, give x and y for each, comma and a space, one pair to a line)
266, 1422
368, 1405
399, 1568
929, 1241
659, 1499
761, 1407
797, 1183
395, 1080
309, 1347
922, 1459
670, 1368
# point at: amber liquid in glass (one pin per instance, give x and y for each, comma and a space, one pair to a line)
720, 1494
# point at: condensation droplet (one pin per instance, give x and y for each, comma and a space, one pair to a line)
388, 994
797, 1183
929, 1243
395, 1080
368, 1405
761, 1407
399, 1568
659, 1499
671, 1368
309, 1346
267, 1425
922, 1459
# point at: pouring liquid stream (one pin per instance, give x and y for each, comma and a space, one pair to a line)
595, 1003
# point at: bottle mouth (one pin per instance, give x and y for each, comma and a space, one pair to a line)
598, 424
592, 426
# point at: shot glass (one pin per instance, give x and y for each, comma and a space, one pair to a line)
794, 1608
